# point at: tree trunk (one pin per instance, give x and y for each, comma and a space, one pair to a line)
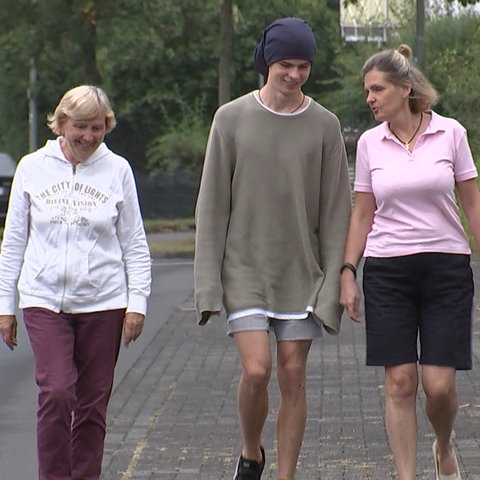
224, 67
419, 35
92, 75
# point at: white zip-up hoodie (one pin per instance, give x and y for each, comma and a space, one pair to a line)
74, 239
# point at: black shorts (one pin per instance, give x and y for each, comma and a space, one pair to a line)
419, 301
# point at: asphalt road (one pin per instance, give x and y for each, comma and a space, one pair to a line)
17, 410
172, 284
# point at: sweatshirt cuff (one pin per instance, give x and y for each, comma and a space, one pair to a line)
137, 303
7, 305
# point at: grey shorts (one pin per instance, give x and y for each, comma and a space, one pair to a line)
298, 329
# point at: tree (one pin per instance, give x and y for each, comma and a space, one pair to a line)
172, 67
419, 33
454, 70
225, 63
157, 59
64, 53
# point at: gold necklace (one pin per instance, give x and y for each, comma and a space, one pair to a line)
407, 144
293, 111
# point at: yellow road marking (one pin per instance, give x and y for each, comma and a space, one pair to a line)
133, 463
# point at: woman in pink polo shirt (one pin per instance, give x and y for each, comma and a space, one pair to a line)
417, 279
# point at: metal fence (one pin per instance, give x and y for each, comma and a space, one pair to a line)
167, 195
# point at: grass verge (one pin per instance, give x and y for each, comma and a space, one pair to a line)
168, 225
178, 249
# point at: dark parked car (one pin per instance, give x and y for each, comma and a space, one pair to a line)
7, 169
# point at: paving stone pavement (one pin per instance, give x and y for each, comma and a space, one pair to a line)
173, 417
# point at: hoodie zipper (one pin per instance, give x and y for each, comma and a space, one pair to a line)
67, 239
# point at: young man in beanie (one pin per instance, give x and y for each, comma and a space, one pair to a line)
272, 217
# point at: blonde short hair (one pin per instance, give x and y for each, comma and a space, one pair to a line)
82, 103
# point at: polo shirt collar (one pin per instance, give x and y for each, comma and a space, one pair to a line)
437, 124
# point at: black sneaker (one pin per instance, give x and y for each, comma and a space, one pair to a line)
249, 469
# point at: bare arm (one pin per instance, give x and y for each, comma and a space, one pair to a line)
470, 200
360, 225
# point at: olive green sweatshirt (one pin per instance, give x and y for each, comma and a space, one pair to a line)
272, 212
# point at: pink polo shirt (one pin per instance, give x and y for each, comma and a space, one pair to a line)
415, 192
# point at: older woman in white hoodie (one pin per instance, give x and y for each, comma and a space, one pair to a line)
75, 245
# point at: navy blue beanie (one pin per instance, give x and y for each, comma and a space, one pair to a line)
285, 38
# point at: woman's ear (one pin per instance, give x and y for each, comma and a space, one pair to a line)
407, 90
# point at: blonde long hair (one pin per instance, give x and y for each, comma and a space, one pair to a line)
399, 69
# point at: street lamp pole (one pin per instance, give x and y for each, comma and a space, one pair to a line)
32, 107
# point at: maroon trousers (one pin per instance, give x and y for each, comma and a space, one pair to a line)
75, 357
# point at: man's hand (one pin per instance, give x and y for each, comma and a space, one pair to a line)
206, 316
8, 330
132, 327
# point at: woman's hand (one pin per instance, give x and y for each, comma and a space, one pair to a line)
350, 295
8, 330
132, 326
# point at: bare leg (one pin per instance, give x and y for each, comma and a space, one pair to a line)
401, 384
291, 365
255, 356
441, 406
